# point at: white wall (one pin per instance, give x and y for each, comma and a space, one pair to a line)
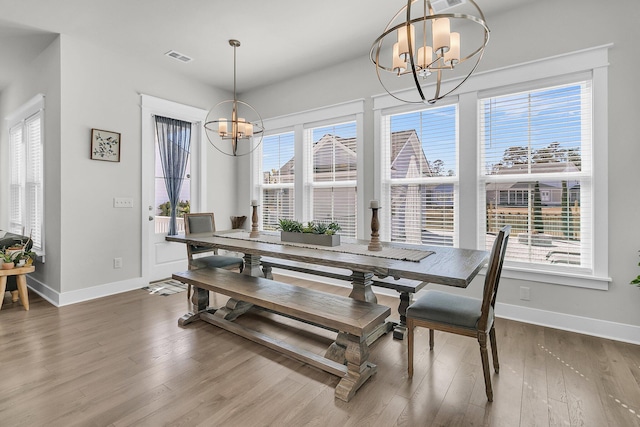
539, 30
101, 89
42, 77
89, 87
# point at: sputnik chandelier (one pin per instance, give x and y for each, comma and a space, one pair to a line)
234, 127
427, 41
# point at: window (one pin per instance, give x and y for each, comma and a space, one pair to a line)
524, 145
26, 189
536, 153
420, 177
276, 181
308, 168
334, 179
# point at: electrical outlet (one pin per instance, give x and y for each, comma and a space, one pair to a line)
117, 263
525, 293
122, 202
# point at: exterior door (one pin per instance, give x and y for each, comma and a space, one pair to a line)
161, 258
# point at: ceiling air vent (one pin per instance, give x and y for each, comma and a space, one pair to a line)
441, 5
178, 56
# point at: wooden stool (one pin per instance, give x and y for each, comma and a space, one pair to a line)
21, 280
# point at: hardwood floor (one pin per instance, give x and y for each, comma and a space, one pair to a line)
123, 361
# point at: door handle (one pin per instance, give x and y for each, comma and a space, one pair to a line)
151, 218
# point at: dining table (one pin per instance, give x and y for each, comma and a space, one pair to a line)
443, 265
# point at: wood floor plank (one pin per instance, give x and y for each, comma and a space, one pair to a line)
124, 361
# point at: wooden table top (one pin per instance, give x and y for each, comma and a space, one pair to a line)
446, 266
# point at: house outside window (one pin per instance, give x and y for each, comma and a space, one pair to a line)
419, 176
536, 149
277, 179
26, 188
308, 168
334, 180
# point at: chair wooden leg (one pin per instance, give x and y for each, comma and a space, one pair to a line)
482, 340
494, 349
410, 327
430, 339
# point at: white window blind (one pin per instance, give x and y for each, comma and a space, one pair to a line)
277, 179
17, 184
26, 187
420, 176
537, 169
334, 178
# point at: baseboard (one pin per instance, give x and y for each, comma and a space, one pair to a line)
66, 298
568, 322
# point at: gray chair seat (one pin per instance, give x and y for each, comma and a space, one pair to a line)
449, 309
217, 261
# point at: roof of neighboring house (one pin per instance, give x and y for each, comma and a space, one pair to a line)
406, 145
551, 167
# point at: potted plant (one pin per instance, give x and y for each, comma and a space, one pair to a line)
314, 233
24, 258
7, 259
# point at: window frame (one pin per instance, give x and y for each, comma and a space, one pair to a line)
34, 109
301, 123
547, 71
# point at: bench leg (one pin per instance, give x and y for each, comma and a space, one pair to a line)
199, 303
400, 330
337, 350
358, 368
232, 309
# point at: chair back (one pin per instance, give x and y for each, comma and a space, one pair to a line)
199, 223
492, 279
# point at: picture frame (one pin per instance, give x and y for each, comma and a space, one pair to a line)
105, 145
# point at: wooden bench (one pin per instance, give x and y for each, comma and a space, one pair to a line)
354, 319
406, 288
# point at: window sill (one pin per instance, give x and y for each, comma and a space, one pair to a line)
563, 278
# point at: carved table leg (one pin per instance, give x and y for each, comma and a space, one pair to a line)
266, 270
358, 368
361, 287
400, 330
252, 265
361, 291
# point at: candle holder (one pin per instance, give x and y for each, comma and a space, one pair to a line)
254, 222
374, 244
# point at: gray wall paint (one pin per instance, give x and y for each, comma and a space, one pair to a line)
538, 30
42, 77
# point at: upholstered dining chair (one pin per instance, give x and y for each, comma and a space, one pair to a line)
195, 223
463, 315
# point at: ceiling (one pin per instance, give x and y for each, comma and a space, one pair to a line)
280, 38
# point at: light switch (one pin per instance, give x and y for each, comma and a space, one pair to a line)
122, 202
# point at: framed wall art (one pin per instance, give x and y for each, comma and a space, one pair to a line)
105, 145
